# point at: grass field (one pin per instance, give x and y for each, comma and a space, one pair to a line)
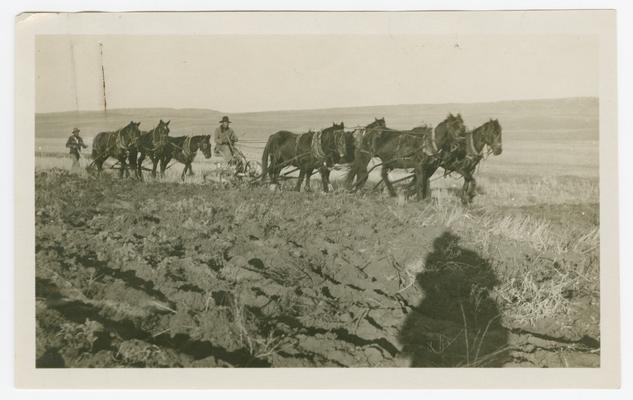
202, 273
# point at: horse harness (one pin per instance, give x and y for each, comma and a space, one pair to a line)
471, 151
433, 144
186, 147
185, 150
316, 146
158, 140
118, 142
341, 144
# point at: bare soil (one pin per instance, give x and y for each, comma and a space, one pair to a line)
163, 274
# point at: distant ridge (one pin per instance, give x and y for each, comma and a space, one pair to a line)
379, 106
577, 113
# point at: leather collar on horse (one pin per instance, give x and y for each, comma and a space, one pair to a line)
317, 146
471, 151
185, 151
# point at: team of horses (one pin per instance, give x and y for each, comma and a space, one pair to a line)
424, 149
130, 146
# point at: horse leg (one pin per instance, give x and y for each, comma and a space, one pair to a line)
133, 161
99, 164
472, 189
302, 174
190, 170
139, 166
184, 171
155, 161
308, 176
362, 174
349, 178
275, 174
468, 190
424, 172
384, 173
325, 178
123, 166
163, 166
421, 183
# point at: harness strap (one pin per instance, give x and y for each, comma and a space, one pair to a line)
186, 147
317, 146
341, 145
297, 139
434, 149
358, 137
119, 141
157, 140
471, 150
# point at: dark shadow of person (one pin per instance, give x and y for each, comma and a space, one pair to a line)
457, 322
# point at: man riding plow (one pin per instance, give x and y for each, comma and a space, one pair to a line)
235, 162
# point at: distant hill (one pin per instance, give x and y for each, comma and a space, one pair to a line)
572, 116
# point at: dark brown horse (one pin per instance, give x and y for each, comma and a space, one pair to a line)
307, 151
152, 143
116, 144
332, 147
415, 149
359, 136
184, 149
470, 151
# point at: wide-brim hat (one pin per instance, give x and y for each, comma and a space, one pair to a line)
75, 130
225, 119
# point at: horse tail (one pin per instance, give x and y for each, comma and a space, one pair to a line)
265, 156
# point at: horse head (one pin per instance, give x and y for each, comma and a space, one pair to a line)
456, 125
338, 127
378, 123
131, 132
492, 136
205, 146
162, 129
451, 129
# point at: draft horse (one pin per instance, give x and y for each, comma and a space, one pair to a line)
470, 151
119, 144
307, 152
184, 149
414, 149
151, 143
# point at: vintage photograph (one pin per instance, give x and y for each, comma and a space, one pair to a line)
317, 200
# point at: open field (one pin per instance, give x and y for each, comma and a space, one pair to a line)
205, 274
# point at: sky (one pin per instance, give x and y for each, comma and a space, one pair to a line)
233, 73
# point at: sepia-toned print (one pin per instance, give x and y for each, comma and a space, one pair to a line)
255, 200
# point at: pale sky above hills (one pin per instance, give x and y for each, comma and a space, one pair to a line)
257, 73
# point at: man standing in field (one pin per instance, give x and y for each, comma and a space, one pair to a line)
225, 140
75, 143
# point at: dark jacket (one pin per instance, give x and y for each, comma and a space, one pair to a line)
75, 144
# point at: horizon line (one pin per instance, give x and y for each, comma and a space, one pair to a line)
319, 109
